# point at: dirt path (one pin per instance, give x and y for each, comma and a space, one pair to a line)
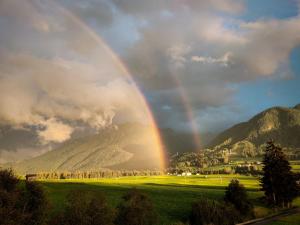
268, 220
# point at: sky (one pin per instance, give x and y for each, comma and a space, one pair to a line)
202, 66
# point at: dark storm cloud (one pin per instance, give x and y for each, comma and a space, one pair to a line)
145, 8
94, 12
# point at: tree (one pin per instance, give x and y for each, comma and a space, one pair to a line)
207, 212
278, 181
236, 195
136, 209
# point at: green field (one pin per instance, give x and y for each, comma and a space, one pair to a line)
172, 196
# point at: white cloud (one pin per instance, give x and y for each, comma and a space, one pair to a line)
225, 60
269, 45
177, 54
51, 94
55, 131
214, 31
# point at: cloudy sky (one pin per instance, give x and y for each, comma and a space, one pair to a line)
203, 65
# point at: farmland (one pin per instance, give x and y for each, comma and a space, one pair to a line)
172, 196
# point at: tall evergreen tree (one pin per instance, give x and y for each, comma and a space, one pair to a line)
278, 181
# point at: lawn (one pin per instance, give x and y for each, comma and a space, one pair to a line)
172, 195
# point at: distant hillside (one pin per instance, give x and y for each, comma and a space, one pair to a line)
179, 142
126, 147
122, 148
11, 139
278, 123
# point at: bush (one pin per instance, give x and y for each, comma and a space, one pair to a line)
205, 212
35, 203
21, 204
75, 211
99, 212
83, 209
236, 195
10, 212
8, 181
136, 209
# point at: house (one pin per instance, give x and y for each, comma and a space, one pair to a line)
31, 177
186, 174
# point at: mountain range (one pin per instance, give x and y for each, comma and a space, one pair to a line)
280, 124
130, 146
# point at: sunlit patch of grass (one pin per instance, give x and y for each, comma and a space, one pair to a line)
296, 167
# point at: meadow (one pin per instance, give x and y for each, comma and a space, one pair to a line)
172, 196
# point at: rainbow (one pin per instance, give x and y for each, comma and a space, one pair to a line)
188, 110
160, 149
124, 70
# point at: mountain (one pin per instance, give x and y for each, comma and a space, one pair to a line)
128, 146
180, 142
121, 148
279, 124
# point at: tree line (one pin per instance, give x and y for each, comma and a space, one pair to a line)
92, 174
237, 169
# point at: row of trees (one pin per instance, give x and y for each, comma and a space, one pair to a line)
253, 170
242, 169
94, 174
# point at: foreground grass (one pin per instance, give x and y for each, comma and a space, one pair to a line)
172, 196
287, 220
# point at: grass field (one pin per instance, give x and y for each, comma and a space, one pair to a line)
172, 196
